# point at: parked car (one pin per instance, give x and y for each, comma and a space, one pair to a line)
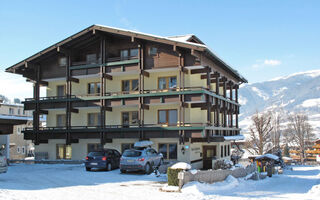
140, 159
3, 163
103, 159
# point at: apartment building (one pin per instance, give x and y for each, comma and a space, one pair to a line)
110, 87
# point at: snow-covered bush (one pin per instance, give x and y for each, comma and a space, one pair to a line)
222, 164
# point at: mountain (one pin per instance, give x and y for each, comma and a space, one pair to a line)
294, 93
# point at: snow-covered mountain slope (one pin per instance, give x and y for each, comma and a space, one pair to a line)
296, 92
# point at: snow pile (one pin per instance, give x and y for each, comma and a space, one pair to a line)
143, 143
181, 165
170, 188
193, 171
268, 155
205, 188
315, 191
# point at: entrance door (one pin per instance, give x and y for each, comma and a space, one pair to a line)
209, 152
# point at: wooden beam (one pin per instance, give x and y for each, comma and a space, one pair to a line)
107, 76
199, 71
198, 105
72, 79
43, 83
145, 73
214, 75
44, 112
107, 108
145, 106
74, 110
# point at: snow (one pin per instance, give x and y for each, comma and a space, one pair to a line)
143, 143
181, 165
311, 103
260, 93
268, 155
72, 182
236, 137
311, 73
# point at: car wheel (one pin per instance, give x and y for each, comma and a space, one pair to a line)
109, 167
161, 162
122, 171
88, 169
148, 169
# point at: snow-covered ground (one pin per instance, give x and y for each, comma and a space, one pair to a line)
73, 182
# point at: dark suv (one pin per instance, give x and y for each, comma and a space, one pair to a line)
103, 159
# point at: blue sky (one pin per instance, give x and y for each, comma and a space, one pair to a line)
261, 39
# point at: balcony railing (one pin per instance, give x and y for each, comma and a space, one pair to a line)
57, 128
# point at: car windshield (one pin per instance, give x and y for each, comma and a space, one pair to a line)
96, 154
131, 153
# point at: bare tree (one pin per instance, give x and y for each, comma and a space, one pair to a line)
260, 134
299, 131
277, 129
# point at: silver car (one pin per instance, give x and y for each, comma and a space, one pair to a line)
140, 159
3, 163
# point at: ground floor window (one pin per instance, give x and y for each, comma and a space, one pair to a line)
93, 147
64, 151
221, 151
125, 146
169, 151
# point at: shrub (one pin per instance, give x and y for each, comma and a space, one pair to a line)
222, 164
173, 176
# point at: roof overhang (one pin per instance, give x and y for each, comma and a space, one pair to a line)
134, 35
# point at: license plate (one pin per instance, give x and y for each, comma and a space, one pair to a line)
94, 163
130, 160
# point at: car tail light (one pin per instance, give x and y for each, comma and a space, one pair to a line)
87, 158
141, 159
104, 158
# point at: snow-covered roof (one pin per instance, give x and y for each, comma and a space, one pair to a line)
143, 144
268, 155
235, 137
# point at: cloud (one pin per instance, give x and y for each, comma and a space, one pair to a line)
272, 62
266, 63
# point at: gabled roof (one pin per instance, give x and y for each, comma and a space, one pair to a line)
179, 41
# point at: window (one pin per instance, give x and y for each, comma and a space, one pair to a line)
18, 149
63, 151
19, 112
94, 119
167, 82
130, 85
134, 52
153, 51
94, 88
169, 151
225, 150
11, 111
91, 58
93, 147
18, 130
168, 117
62, 61
221, 151
124, 54
125, 146
61, 120
228, 150
61, 90
23, 150
130, 118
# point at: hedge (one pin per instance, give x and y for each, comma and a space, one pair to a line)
173, 176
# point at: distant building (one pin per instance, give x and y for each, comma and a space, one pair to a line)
13, 119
